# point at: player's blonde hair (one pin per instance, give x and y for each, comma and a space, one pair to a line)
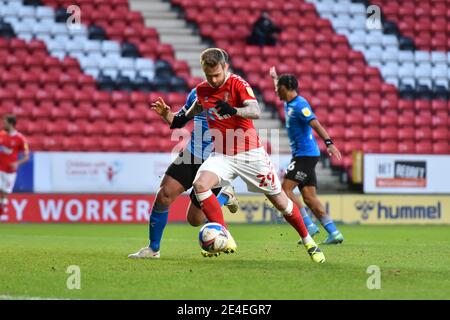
211, 57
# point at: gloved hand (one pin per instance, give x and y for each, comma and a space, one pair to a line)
223, 109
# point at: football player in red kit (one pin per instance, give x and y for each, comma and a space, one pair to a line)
231, 105
12, 143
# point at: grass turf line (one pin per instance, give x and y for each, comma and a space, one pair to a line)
268, 265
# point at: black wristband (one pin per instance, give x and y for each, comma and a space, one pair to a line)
179, 120
328, 142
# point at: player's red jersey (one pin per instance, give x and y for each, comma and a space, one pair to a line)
237, 133
10, 146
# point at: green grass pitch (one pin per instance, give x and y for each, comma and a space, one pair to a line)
414, 263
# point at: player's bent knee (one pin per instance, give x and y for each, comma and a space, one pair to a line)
165, 196
195, 216
200, 186
195, 221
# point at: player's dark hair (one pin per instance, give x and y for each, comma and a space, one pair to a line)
11, 119
289, 81
211, 57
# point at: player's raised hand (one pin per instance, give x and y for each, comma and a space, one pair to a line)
273, 73
333, 151
160, 107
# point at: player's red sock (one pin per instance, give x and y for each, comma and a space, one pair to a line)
211, 207
295, 219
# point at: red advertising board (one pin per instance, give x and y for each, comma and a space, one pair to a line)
401, 182
86, 208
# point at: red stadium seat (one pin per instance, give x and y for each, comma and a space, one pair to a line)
91, 143
111, 143
72, 143
354, 118
53, 143
337, 131
116, 113
438, 105
405, 105
371, 146
389, 147
337, 118
389, 133
423, 133
371, 119
347, 161
58, 112
407, 119
406, 133
352, 145
422, 105
424, 147
440, 134
407, 146
354, 132
441, 147
389, 118
423, 119
371, 133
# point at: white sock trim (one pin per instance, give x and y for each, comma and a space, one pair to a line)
307, 239
289, 208
202, 196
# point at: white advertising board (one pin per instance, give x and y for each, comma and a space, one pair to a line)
97, 172
398, 173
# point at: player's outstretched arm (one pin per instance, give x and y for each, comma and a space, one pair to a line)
162, 109
331, 148
273, 74
194, 110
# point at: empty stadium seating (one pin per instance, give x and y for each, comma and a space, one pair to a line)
56, 103
52, 77
126, 53
424, 21
352, 76
417, 74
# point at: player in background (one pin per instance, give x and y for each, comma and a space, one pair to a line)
12, 143
180, 175
231, 105
300, 120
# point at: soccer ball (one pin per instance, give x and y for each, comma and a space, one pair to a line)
213, 237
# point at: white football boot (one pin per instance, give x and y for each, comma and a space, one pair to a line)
145, 253
233, 203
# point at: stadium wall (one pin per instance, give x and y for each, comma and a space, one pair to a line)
121, 208
110, 172
140, 173
86, 208
58, 187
